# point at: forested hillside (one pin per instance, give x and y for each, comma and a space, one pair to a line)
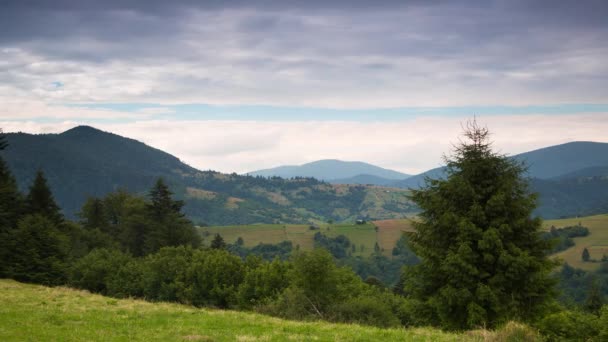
85, 162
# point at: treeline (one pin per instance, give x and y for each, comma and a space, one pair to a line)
309, 286
562, 237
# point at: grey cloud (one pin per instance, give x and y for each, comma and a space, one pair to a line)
245, 47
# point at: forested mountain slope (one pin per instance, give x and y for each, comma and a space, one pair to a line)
84, 161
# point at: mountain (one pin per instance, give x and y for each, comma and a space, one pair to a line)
554, 161
85, 161
364, 179
329, 170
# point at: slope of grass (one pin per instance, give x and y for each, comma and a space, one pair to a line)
596, 242
366, 235
37, 313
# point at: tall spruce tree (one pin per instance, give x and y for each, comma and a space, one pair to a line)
11, 207
40, 200
168, 227
483, 260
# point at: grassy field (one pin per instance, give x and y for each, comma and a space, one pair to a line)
366, 235
37, 313
596, 242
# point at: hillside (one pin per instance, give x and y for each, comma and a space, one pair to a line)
332, 170
596, 242
37, 313
364, 179
361, 235
84, 162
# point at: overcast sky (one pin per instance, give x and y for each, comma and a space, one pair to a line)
244, 85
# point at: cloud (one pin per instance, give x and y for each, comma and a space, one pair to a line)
410, 146
354, 54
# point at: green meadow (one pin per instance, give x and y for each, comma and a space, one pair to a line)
596, 242
38, 313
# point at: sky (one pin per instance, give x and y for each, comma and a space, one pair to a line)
237, 86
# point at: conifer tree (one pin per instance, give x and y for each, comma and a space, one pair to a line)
585, 256
218, 242
40, 200
168, 225
11, 207
93, 215
482, 257
594, 300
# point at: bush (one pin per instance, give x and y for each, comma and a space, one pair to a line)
569, 326
165, 275
37, 251
94, 271
215, 276
365, 310
263, 282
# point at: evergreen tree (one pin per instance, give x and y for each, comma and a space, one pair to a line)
162, 204
93, 215
585, 256
40, 200
11, 207
3, 142
168, 226
38, 251
594, 300
482, 257
218, 242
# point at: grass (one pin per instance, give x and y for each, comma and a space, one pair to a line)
366, 235
38, 313
596, 242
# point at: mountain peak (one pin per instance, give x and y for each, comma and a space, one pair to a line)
81, 130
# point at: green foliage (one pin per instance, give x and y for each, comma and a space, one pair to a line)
569, 326
483, 261
562, 237
603, 324
218, 242
94, 215
263, 282
165, 275
365, 310
40, 200
11, 207
100, 268
585, 256
37, 251
579, 288
594, 300
337, 246
214, 277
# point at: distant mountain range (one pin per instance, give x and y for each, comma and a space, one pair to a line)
85, 161
336, 171
571, 179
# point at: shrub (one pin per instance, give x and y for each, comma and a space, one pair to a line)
165, 275
365, 310
569, 326
94, 271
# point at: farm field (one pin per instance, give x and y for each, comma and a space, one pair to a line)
38, 313
366, 235
596, 242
